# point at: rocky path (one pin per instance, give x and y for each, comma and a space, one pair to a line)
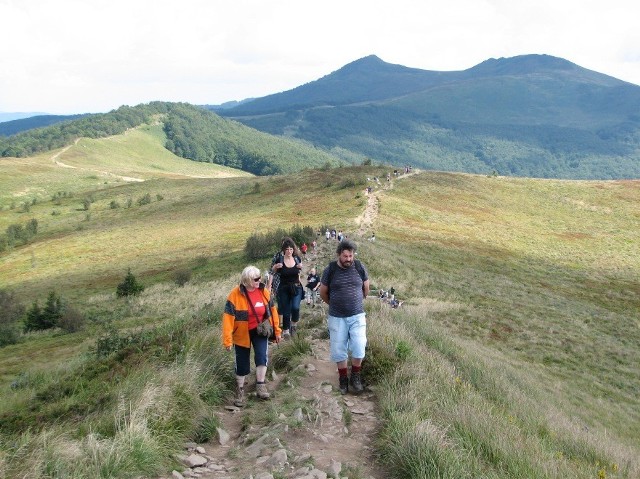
307, 430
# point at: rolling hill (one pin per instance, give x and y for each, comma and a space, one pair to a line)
190, 132
533, 115
512, 357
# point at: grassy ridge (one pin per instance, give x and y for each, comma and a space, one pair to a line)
545, 272
513, 355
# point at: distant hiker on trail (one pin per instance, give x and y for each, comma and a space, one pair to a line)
344, 285
373, 237
288, 265
303, 250
248, 304
327, 234
313, 285
314, 245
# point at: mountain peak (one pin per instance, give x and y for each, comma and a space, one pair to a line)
523, 64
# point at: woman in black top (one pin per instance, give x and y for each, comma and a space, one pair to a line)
288, 265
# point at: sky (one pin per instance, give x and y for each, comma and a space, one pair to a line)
90, 56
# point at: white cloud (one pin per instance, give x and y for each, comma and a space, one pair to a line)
75, 56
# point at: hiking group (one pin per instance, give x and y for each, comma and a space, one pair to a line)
252, 320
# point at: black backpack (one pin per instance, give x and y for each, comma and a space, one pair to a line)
334, 264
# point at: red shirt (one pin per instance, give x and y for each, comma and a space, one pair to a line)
257, 299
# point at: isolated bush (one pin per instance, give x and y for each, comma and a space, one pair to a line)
86, 204
71, 320
144, 200
263, 245
11, 311
44, 318
18, 234
182, 276
114, 205
130, 286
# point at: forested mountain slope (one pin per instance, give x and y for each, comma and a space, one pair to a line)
191, 133
533, 115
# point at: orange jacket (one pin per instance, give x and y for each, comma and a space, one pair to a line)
235, 319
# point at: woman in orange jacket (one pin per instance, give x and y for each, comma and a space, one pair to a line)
248, 304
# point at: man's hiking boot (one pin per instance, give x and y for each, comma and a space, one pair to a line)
239, 399
356, 383
261, 391
294, 329
286, 334
344, 384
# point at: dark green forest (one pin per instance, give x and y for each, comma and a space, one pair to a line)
192, 133
532, 115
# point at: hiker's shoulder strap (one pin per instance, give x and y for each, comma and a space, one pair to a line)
360, 269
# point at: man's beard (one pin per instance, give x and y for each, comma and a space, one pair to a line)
345, 264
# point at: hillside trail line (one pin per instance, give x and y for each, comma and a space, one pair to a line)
55, 160
366, 220
331, 434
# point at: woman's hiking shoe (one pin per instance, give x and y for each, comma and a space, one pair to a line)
261, 391
239, 399
344, 384
356, 383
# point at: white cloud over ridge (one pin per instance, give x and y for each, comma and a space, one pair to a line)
74, 56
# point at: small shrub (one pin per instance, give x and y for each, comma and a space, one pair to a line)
207, 429
71, 320
11, 311
129, 286
114, 205
144, 200
159, 197
44, 318
86, 204
129, 202
182, 276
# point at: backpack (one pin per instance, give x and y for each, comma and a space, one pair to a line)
334, 264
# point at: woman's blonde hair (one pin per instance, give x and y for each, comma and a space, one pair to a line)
246, 278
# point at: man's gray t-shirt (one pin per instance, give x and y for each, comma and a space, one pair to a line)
345, 291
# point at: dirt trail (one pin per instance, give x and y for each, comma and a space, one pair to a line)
331, 434
366, 220
55, 160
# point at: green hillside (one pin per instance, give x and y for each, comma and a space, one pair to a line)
190, 132
532, 115
513, 356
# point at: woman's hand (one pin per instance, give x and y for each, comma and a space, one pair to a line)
228, 348
277, 266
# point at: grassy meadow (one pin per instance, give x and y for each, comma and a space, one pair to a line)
514, 354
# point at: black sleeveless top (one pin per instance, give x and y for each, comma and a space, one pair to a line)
289, 275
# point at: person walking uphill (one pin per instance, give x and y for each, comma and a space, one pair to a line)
248, 304
344, 285
288, 266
